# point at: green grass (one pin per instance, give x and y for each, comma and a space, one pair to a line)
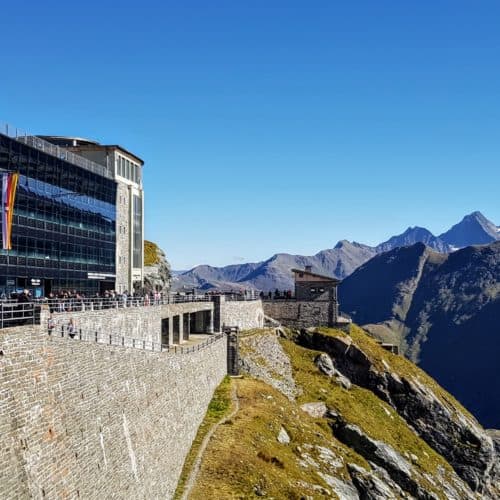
398, 364
218, 407
245, 452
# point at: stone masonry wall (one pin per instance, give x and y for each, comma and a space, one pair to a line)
298, 314
245, 314
122, 237
135, 322
90, 421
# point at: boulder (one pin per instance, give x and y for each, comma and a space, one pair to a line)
325, 364
283, 436
315, 410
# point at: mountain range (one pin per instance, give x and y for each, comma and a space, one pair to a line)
443, 311
339, 261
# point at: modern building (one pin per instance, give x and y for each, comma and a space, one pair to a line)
126, 169
78, 215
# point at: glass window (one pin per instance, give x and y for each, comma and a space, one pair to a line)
64, 219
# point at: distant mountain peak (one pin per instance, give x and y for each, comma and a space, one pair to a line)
339, 261
411, 236
473, 229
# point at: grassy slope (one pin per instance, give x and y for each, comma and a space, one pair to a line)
399, 365
245, 452
218, 407
361, 407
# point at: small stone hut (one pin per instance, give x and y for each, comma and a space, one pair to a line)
313, 286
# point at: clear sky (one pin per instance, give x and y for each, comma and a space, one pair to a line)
268, 125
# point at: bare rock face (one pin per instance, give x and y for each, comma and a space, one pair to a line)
457, 437
373, 485
325, 365
157, 273
398, 468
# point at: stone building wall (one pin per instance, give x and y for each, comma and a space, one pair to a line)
245, 314
301, 314
122, 237
80, 420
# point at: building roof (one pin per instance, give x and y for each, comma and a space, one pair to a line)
80, 142
316, 275
121, 148
67, 140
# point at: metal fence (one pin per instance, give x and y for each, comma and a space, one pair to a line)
69, 332
16, 314
99, 303
13, 313
248, 295
53, 150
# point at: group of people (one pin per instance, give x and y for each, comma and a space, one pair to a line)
66, 301
285, 294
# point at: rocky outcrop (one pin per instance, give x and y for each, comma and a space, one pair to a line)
325, 364
374, 485
262, 356
452, 433
157, 273
399, 469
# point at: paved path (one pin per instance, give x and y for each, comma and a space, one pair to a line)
197, 464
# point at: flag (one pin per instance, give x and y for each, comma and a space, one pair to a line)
9, 185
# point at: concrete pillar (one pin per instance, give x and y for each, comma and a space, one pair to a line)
187, 325
170, 330
181, 328
210, 326
218, 301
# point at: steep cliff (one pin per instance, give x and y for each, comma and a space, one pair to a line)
334, 415
437, 307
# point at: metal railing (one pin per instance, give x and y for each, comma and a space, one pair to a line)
53, 150
100, 303
69, 332
249, 295
16, 314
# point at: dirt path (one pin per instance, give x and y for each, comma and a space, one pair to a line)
197, 464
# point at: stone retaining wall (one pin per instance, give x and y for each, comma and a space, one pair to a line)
299, 313
136, 322
81, 420
245, 314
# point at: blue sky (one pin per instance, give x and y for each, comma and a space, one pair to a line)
272, 126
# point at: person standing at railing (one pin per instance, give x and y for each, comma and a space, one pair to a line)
51, 324
24, 297
71, 329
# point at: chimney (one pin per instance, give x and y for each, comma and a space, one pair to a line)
308, 269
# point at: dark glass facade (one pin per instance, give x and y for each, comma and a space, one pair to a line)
63, 233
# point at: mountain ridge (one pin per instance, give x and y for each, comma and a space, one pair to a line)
339, 261
436, 305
